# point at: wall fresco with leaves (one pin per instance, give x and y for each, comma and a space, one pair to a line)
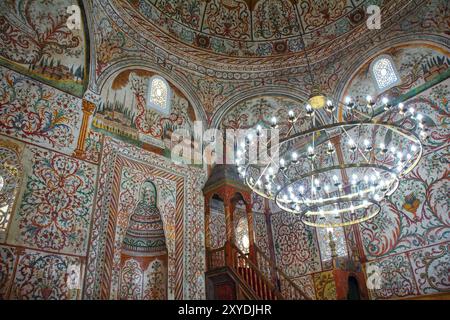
411, 232
55, 207
37, 42
124, 112
38, 113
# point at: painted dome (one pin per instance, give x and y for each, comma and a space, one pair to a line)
260, 29
145, 233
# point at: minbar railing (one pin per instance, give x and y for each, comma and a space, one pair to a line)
288, 289
232, 257
266, 280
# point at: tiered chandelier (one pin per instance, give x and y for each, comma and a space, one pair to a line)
334, 170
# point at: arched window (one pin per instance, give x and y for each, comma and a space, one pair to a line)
158, 95
10, 169
384, 73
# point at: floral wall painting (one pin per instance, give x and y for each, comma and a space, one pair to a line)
36, 41
125, 112
408, 241
37, 113
54, 209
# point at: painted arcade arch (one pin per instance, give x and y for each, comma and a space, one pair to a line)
108, 75
124, 112
435, 42
293, 93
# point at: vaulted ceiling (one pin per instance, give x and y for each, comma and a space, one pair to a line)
250, 34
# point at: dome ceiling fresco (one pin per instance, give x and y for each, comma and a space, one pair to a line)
232, 31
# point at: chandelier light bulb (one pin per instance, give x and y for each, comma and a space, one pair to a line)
336, 181
419, 117
274, 122
411, 110
367, 145
330, 106
352, 145
401, 108
294, 157
311, 153
330, 149
370, 102
349, 103
383, 148
387, 105
291, 116
379, 197
301, 189
309, 110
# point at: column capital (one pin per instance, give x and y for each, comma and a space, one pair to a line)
88, 106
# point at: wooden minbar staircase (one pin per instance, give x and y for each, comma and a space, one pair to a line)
230, 273
234, 275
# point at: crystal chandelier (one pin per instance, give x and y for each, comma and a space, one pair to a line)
337, 163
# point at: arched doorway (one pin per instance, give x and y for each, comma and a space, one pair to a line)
353, 292
144, 258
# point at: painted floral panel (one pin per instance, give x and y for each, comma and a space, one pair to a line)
55, 208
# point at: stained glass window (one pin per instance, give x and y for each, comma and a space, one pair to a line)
158, 96
9, 182
384, 72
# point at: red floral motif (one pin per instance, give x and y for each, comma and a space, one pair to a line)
56, 206
34, 112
